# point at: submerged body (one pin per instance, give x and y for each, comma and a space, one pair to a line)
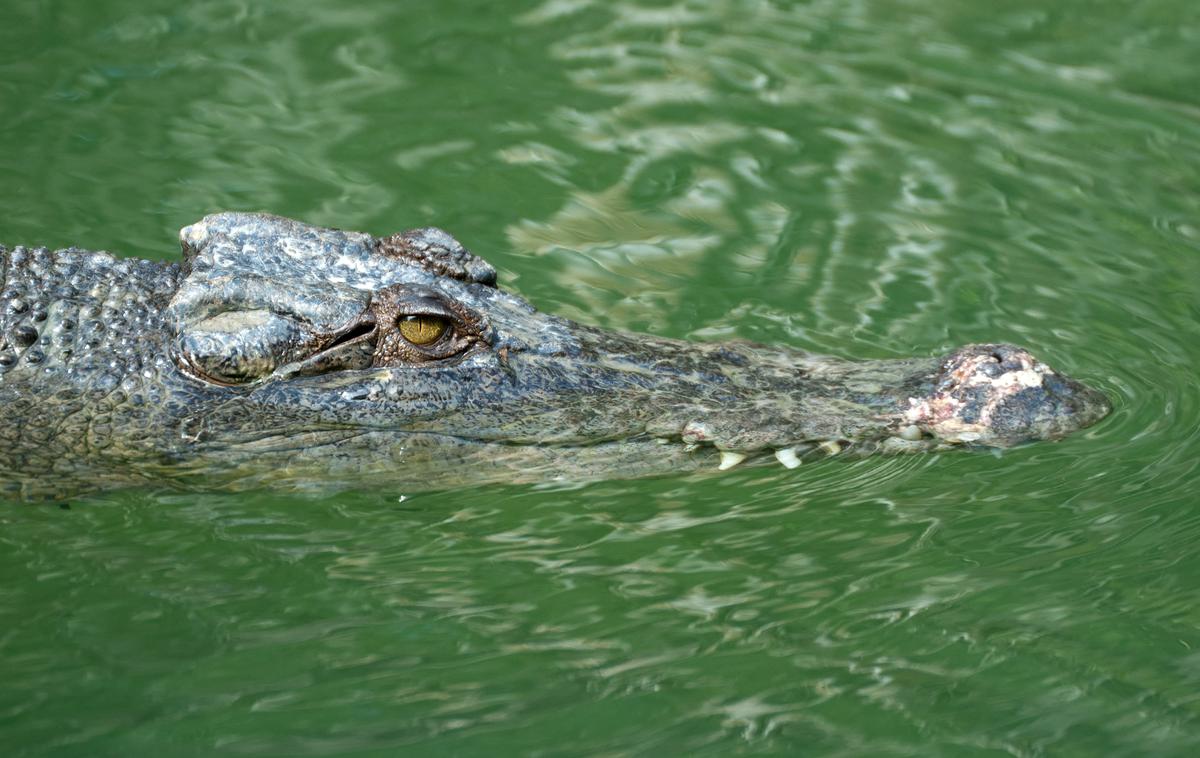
285, 355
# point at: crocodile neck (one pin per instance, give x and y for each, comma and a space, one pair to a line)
82, 339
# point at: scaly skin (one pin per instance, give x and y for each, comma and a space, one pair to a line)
276, 355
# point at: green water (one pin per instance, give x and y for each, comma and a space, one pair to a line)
869, 179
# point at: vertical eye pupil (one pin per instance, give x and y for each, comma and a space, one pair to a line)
423, 330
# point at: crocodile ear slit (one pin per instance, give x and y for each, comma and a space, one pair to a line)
357, 331
354, 348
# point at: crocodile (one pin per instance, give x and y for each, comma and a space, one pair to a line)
283, 355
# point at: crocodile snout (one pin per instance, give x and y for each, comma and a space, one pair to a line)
1001, 395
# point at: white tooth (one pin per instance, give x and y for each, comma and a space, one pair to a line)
729, 459
912, 433
832, 447
787, 456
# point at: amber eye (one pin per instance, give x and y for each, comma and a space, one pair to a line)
423, 330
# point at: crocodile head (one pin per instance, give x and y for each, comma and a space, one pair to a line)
316, 354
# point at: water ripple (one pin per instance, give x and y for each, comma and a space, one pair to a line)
864, 179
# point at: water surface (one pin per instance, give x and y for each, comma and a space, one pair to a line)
868, 179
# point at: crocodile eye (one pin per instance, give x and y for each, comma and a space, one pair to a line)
423, 330
420, 325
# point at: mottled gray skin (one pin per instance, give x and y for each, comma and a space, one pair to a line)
272, 356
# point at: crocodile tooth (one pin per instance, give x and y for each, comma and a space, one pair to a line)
729, 459
832, 447
912, 433
787, 456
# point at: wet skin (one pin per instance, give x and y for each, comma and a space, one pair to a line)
279, 354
